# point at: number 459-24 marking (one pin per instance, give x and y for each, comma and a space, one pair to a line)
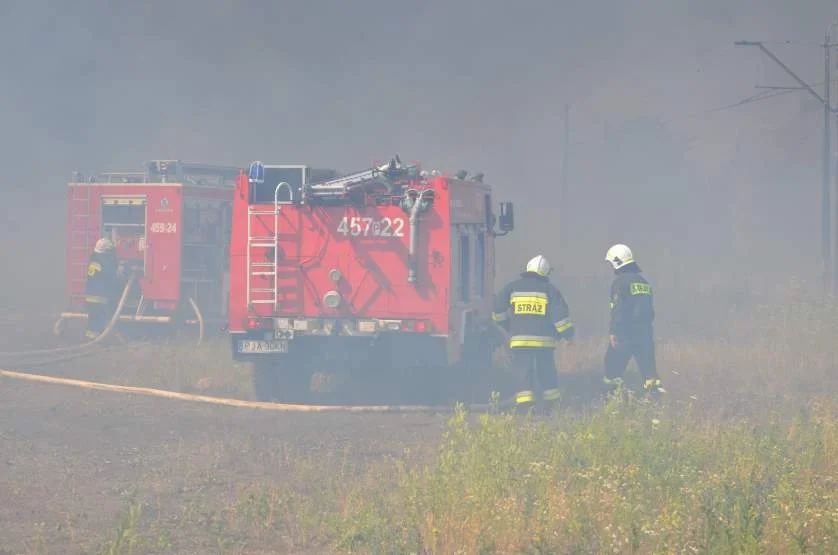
365, 227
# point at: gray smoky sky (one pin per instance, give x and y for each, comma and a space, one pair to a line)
706, 198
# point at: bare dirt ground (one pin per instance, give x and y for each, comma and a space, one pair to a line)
71, 460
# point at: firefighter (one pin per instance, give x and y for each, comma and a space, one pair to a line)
102, 287
535, 315
630, 331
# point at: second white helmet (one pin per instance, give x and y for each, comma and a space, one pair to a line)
619, 256
103, 245
539, 265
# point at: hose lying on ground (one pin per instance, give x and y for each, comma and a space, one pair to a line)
279, 407
200, 318
73, 348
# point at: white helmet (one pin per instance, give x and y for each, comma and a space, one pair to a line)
539, 265
103, 245
619, 256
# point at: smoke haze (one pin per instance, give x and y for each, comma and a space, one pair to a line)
710, 200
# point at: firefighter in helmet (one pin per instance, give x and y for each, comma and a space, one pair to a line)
535, 315
102, 287
632, 313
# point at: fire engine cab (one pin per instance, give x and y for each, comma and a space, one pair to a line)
170, 224
386, 268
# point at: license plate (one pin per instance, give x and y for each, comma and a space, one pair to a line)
252, 346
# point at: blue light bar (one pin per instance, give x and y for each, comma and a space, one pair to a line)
256, 173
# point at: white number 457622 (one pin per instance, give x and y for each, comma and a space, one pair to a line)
364, 227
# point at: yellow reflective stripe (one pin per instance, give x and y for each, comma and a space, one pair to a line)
91, 334
532, 337
563, 325
640, 289
524, 397
515, 299
651, 383
96, 299
499, 316
92, 268
551, 394
531, 341
529, 294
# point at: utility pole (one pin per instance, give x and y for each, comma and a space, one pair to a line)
563, 190
830, 277
827, 164
827, 152
828, 45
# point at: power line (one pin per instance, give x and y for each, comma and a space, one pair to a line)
748, 100
829, 258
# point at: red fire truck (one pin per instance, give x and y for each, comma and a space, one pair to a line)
170, 224
383, 269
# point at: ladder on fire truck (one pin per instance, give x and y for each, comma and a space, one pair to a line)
265, 269
80, 233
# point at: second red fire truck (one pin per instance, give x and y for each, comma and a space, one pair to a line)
170, 223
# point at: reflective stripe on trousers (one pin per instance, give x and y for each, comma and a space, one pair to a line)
551, 394
524, 397
532, 341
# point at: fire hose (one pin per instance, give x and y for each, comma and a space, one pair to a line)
221, 401
240, 403
82, 346
76, 351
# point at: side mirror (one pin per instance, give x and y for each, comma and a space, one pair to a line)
506, 220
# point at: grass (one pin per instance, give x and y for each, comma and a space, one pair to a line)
630, 477
742, 457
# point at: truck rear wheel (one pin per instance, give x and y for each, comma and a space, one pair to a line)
280, 381
264, 381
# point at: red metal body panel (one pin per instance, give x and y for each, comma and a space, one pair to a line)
368, 246
160, 246
454, 255
152, 236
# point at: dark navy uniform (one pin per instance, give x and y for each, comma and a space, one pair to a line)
101, 291
632, 315
536, 316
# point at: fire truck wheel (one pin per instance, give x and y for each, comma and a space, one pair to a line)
264, 381
279, 381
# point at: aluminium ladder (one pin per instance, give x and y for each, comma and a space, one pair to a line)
265, 269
